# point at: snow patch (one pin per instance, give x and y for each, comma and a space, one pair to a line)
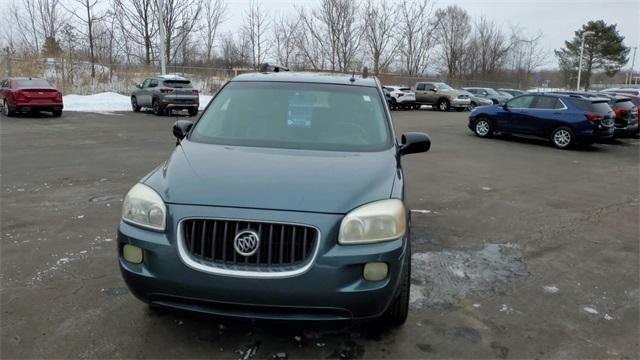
108, 102
550, 289
590, 310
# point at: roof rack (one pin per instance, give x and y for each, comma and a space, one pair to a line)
266, 67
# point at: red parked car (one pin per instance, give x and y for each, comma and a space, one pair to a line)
23, 95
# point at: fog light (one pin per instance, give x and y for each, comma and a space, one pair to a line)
132, 254
375, 271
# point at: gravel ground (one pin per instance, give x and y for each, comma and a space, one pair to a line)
520, 250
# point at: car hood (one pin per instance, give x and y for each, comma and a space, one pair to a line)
278, 179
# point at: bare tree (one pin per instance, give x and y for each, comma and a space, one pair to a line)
254, 31
527, 54
138, 24
381, 19
180, 17
284, 40
417, 30
88, 15
453, 26
50, 18
214, 15
335, 28
489, 47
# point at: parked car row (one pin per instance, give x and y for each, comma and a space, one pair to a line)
441, 96
565, 118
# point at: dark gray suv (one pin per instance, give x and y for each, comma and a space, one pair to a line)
285, 200
165, 93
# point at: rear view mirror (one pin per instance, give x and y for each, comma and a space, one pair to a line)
414, 142
181, 128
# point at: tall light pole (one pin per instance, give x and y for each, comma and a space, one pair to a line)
584, 35
163, 35
633, 62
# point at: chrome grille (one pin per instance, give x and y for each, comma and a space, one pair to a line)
282, 247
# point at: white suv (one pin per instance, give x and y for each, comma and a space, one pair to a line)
401, 97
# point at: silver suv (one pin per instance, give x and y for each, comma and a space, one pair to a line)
441, 96
165, 93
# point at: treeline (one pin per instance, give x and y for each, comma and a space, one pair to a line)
407, 37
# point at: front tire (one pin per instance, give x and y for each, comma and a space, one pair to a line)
472, 105
56, 113
134, 104
398, 311
157, 108
562, 137
6, 110
443, 105
483, 128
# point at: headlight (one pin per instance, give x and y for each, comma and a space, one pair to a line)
376, 222
144, 207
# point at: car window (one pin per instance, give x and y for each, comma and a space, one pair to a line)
429, 86
177, 84
405, 89
443, 86
153, 83
296, 115
145, 83
521, 102
547, 102
624, 104
3, 83
32, 83
421, 86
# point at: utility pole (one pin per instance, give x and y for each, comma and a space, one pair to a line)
633, 62
584, 35
163, 35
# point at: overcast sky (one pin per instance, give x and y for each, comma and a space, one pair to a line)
557, 19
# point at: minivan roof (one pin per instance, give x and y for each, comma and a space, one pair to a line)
307, 77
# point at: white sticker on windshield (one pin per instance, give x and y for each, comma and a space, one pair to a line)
366, 98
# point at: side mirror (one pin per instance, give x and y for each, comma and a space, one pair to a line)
139, 86
181, 128
505, 106
434, 89
414, 142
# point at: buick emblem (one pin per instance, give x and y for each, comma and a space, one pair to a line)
246, 242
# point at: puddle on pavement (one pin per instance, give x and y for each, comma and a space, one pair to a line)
441, 278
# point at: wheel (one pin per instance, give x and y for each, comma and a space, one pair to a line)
134, 104
443, 105
57, 113
394, 103
472, 105
157, 108
7, 110
562, 137
416, 107
193, 111
483, 128
398, 311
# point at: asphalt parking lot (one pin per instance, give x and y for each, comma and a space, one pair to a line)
520, 250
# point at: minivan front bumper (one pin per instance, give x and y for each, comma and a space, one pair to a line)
332, 288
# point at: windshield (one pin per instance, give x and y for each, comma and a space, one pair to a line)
297, 116
32, 83
443, 86
624, 104
491, 91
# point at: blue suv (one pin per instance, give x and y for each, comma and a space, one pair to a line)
565, 120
